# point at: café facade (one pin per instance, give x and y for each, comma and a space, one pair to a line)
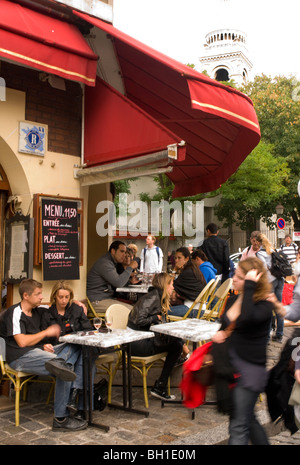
83, 105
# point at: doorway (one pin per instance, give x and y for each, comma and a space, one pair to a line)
4, 193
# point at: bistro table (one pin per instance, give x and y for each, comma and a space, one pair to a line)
134, 291
120, 338
137, 288
190, 329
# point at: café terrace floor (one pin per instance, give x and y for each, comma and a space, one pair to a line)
169, 426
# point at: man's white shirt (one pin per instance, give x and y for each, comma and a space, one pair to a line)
151, 261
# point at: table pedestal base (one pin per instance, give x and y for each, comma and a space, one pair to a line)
127, 386
129, 409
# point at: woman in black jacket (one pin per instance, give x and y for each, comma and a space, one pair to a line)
70, 317
152, 309
247, 345
188, 285
64, 311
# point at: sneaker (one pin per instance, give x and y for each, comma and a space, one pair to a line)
160, 392
277, 338
69, 424
61, 369
180, 361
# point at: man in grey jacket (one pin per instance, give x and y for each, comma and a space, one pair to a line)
103, 278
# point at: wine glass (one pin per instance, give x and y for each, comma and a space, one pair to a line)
97, 322
108, 322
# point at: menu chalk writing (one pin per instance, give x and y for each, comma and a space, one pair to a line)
60, 240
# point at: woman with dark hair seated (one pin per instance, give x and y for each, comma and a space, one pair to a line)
149, 310
187, 285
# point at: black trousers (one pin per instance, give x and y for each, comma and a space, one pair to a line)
158, 344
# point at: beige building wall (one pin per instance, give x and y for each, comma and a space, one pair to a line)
31, 174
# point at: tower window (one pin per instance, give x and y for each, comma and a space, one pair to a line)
222, 75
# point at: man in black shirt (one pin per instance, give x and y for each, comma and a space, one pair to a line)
21, 328
217, 251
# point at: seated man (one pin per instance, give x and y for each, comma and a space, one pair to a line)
207, 268
103, 278
21, 328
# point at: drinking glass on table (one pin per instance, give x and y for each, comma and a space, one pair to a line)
97, 322
144, 281
150, 279
108, 322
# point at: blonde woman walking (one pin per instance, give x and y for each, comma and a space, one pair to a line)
265, 254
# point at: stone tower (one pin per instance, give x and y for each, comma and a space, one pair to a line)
225, 54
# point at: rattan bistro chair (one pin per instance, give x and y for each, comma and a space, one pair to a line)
118, 315
221, 294
212, 292
20, 379
201, 300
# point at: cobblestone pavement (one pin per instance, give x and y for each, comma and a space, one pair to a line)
169, 426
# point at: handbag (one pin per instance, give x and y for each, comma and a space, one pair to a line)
295, 394
295, 401
206, 374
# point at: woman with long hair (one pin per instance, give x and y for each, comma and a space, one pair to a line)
70, 317
152, 308
64, 311
265, 254
188, 285
251, 313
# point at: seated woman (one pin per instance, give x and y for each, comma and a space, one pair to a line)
127, 296
151, 309
188, 285
126, 262
134, 249
70, 317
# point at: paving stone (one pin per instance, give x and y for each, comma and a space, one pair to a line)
169, 426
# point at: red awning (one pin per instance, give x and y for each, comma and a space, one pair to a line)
122, 129
45, 43
218, 123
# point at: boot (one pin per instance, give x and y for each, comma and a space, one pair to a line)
72, 404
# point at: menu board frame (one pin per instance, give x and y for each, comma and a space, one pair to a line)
37, 214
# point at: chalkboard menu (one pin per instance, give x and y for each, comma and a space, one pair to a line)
60, 239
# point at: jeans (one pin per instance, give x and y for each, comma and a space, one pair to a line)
278, 284
180, 310
34, 362
243, 423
